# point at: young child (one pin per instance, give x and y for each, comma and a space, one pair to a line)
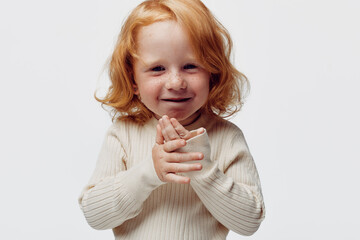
171, 167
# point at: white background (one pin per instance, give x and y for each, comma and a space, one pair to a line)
301, 119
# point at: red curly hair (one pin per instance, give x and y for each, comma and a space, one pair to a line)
212, 46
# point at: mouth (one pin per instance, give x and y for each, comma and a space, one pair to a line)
176, 99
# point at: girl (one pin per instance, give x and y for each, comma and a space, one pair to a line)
171, 167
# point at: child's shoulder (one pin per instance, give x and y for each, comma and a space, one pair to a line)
223, 125
225, 131
124, 124
123, 128
127, 132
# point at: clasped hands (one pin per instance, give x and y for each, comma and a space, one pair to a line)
170, 136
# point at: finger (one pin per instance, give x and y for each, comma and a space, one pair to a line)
179, 157
159, 136
163, 132
168, 130
179, 168
173, 145
196, 133
181, 131
200, 131
172, 177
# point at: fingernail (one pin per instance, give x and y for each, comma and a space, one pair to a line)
200, 156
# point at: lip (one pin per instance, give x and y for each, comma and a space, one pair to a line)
176, 100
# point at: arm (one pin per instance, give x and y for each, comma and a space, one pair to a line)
233, 195
113, 194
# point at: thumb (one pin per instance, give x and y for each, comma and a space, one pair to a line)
159, 136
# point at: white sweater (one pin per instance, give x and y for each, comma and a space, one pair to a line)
125, 194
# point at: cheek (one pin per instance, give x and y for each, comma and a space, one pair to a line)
201, 84
150, 88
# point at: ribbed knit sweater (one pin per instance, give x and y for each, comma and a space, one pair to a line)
125, 194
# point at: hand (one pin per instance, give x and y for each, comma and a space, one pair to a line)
171, 129
167, 162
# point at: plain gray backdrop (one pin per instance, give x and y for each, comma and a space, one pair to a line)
301, 119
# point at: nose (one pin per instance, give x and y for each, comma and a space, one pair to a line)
175, 82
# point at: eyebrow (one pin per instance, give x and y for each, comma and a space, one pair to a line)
146, 65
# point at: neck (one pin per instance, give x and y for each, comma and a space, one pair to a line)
190, 120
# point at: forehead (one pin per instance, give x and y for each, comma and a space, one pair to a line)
165, 38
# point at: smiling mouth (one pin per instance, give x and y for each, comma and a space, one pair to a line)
176, 99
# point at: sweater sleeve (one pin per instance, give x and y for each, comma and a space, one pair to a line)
232, 196
113, 195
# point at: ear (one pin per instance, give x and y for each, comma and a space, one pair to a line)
136, 89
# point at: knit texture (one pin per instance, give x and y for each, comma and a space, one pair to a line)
125, 194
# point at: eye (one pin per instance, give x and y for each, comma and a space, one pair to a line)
158, 69
190, 66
